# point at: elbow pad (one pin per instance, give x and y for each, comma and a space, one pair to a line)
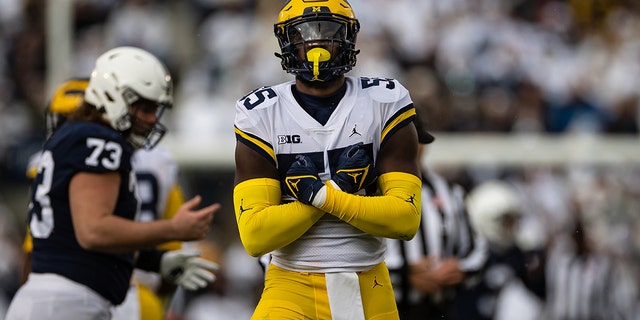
263, 223
394, 214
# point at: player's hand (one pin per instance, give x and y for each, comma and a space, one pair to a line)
355, 169
302, 180
186, 269
449, 272
190, 223
422, 276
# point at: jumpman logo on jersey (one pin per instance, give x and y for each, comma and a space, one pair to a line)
376, 283
354, 130
242, 209
411, 200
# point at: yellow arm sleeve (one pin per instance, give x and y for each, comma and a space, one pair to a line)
174, 200
394, 214
265, 224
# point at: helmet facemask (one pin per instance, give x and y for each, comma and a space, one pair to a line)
319, 46
53, 121
132, 126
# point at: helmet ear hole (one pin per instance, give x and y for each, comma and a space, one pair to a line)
109, 97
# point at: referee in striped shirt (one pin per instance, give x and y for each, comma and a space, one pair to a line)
445, 253
587, 283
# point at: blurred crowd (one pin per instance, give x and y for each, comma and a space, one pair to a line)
500, 66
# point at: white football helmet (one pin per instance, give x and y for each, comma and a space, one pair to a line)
495, 208
122, 76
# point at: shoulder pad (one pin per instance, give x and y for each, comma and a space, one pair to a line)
259, 98
383, 89
91, 147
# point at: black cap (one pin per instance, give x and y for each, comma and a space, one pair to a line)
424, 137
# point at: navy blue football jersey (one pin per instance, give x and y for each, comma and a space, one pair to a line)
75, 147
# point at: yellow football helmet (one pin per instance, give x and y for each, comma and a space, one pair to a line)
67, 98
317, 38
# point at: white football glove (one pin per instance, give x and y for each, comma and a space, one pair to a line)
186, 269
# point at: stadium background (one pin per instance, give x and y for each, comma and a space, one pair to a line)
544, 93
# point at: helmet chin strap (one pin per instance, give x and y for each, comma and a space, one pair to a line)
137, 141
126, 129
317, 55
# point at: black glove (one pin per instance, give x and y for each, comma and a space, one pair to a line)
302, 180
355, 169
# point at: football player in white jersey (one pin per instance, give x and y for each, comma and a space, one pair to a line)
84, 199
326, 168
160, 197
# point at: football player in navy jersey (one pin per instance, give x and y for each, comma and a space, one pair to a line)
159, 193
82, 214
326, 168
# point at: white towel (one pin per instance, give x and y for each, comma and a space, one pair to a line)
345, 299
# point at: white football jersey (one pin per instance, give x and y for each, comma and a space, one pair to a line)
157, 174
271, 121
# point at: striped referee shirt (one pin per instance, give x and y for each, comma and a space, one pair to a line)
445, 232
587, 286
